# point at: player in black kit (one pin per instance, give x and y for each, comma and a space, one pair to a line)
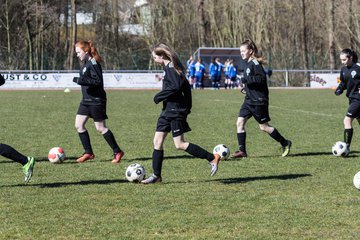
256, 101
10, 153
177, 103
350, 80
93, 104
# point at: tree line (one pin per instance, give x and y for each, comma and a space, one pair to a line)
292, 34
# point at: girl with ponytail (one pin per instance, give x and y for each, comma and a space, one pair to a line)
350, 80
93, 104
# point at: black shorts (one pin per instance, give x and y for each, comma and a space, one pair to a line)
97, 112
260, 112
354, 109
176, 126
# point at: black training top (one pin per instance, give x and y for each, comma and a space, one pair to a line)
92, 84
350, 80
175, 94
257, 92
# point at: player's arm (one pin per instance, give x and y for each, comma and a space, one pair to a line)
340, 89
2, 80
171, 86
259, 76
91, 78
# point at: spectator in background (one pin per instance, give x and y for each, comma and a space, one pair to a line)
256, 102
188, 63
219, 72
213, 72
177, 102
9, 152
93, 104
227, 74
191, 73
199, 74
233, 73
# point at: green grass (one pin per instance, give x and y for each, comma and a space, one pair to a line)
308, 195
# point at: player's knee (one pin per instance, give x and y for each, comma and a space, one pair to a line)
264, 128
79, 127
101, 129
180, 146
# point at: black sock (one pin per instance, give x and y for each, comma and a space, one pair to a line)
157, 160
110, 139
85, 141
11, 153
199, 152
277, 136
348, 133
242, 141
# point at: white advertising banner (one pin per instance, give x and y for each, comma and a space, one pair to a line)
324, 80
64, 80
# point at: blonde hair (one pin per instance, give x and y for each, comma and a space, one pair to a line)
165, 51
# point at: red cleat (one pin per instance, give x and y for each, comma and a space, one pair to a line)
117, 157
85, 157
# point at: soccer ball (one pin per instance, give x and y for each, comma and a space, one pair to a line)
222, 150
340, 149
56, 155
135, 173
356, 180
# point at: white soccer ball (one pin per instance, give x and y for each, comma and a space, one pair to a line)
56, 155
356, 180
222, 150
340, 149
135, 173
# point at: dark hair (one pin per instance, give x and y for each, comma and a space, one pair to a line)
350, 53
256, 53
162, 49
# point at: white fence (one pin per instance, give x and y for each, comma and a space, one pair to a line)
63, 79
150, 79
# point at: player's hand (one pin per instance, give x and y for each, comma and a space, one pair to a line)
156, 100
338, 91
242, 88
75, 79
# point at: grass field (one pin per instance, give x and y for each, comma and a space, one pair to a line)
308, 195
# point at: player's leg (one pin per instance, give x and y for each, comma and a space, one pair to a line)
80, 121
275, 134
198, 152
348, 130
157, 158
110, 139
241, 137
27, 162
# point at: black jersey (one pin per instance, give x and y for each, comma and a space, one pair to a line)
175, 94
2, 80
257, 92
92, 84
350, 80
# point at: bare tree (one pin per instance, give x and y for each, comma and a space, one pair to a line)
331, 33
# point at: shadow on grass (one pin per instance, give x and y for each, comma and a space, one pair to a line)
65, 184
260, 178
165, 157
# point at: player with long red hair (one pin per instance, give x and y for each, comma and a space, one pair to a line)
93, 104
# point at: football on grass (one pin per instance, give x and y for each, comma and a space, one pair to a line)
56, 155
135, 173
222, 150
356, 180
340, 149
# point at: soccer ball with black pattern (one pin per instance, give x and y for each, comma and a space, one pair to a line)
56, 155
222, 150
340, 149
135, 173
